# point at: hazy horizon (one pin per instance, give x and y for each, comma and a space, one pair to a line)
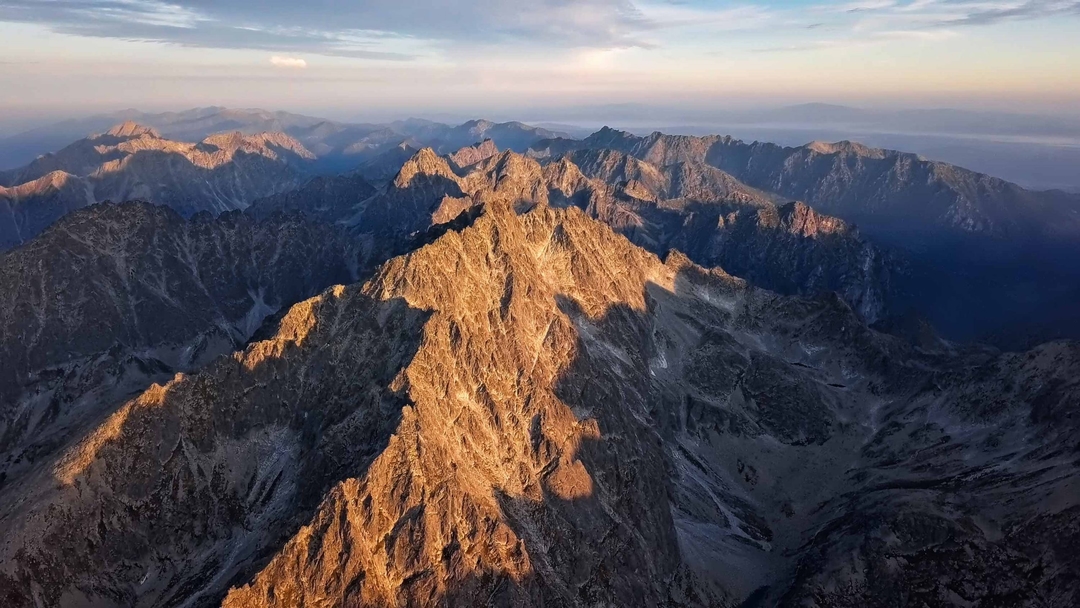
519, 59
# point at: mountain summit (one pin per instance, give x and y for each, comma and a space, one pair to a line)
130, 129
533, 411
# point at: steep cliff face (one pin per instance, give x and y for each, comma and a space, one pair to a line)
792, 249
114, 296
533, 411
221, 173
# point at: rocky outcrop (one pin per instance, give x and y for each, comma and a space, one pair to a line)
131, 129
470, 155
115, 296
535, 412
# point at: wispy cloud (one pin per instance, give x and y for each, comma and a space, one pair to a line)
950, 13
861, 23
383, 29
287, 62
398, 30
872, 39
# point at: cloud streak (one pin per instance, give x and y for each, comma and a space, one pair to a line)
402, 30
287, 62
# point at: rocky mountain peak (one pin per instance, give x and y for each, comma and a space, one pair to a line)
478, 125
799, 218
427, 163
470, 155
532, 411
608, 137
130, 129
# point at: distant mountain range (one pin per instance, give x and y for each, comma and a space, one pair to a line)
337, 146
220, 173
979, 257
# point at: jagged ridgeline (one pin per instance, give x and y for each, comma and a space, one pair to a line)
534, 411
491, 365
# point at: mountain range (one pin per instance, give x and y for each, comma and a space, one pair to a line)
495, 365
338, 146
954, 240
992, 260
531, 410
221, 173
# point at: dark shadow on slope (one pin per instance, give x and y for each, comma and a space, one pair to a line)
604, 533
760, 244
219, 470
608, 537
329, 199
87, 326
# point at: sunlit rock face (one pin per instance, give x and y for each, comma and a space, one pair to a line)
530, 410
699, 210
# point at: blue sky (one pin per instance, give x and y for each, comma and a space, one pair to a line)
387, 55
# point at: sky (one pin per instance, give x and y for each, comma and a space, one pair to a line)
388, 58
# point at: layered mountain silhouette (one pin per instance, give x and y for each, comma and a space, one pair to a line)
531, 410
338, 146
221, 173
979, 258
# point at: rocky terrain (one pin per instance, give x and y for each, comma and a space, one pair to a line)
986, 259
978, 258
481, 369
883, 190
530, 410
221, 173
113, 297
470, 155
697, 209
